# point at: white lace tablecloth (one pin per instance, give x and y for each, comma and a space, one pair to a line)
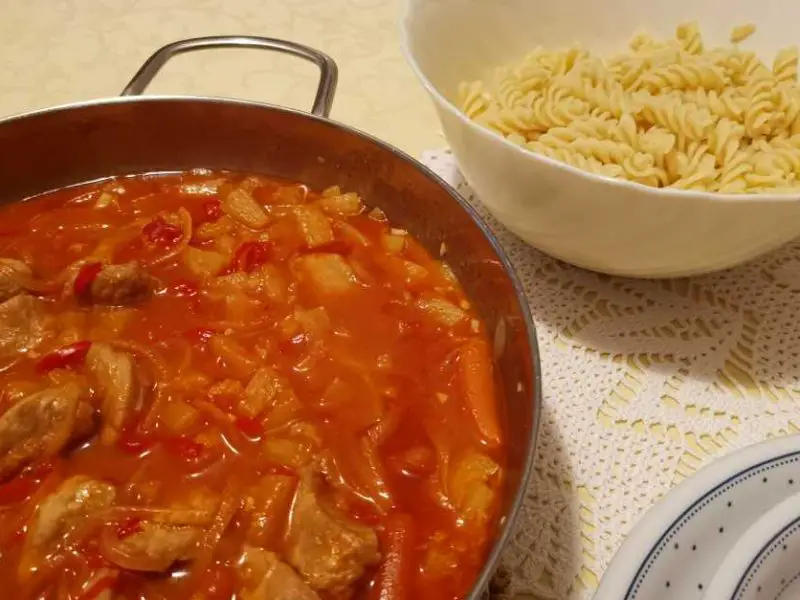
644, 382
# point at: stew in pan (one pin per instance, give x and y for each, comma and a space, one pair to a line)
217, 386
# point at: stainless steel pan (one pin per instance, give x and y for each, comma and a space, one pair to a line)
62, 146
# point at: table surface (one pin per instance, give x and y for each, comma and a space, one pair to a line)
61, 51
688, 370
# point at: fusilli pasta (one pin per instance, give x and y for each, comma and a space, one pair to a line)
667, 113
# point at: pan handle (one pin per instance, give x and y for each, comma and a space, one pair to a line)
328, 72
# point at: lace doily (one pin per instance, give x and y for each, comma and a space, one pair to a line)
644, 382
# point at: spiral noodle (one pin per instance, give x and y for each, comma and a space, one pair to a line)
666, 113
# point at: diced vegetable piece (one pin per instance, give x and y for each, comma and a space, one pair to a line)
393, 242
227, 390
240, 205
215, 229
350, 234
266, 389
341, 204
470, 488
441, 311
327, 273
315, 322
412, 274
314, 226
265, 282
178, 416
293, 452
283, 414
395, 576
204, 263
477, 383
234, 357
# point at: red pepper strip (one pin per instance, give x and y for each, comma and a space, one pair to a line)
64, 358
129, 527
158, 231
98, 587
249, 256
397, 569
250, 427
85, 278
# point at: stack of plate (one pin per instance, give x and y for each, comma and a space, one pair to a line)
730, 532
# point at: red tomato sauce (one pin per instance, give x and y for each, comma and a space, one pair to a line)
272, 342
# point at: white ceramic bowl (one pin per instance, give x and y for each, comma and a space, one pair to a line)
607, 225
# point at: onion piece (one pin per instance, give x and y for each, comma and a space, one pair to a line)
208, 542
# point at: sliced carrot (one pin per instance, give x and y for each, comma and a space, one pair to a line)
475, 367
394, 578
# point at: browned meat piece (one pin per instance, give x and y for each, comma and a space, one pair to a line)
12, 272
154, 548
116, 378
39, 426
22, 324
76, 499
330, 552
119, 285
266, 577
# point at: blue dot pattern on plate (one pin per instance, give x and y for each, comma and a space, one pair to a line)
774, 574
683, 561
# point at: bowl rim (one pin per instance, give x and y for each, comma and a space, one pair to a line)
505, 526
668, 194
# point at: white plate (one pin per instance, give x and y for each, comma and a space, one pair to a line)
763, 564
674, 552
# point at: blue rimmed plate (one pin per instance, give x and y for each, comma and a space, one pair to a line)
675, 551
763, 564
